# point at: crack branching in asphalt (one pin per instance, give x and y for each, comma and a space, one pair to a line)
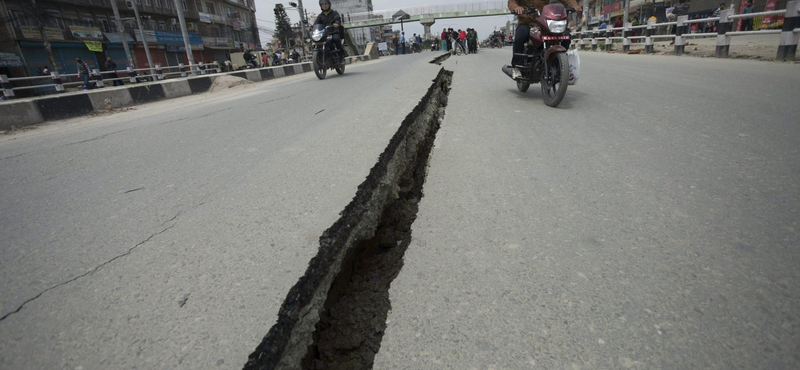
98, 267
335, 316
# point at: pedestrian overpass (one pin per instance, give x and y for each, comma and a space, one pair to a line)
426, 14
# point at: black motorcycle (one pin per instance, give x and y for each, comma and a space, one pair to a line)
325, 56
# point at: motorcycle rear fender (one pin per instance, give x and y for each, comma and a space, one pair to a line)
554, 49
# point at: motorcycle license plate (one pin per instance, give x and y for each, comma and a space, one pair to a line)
552, 38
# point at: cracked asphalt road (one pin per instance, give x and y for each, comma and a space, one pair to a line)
234, 191
649, 222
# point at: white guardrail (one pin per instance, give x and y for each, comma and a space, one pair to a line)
790, 32
96, 79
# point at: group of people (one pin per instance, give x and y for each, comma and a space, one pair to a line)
466, 40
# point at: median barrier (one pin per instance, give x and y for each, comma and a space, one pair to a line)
31, 111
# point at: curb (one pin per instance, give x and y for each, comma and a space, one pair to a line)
26, 112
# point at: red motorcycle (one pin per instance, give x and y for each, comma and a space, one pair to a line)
545, 57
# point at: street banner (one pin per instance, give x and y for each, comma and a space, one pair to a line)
86, 33
205, 18
176, 38
382, 46
10, 60
94, 46
767, 20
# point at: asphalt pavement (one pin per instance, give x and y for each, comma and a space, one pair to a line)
650, 221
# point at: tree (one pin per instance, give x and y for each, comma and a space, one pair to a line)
283, 26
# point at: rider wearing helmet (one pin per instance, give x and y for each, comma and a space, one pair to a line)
330, 17
525, 23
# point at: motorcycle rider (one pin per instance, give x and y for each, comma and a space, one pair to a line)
330, 17
525, 23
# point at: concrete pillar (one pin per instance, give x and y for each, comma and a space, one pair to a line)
426, 24
679, 28
788, 46
723, 40
626, 42
648, 41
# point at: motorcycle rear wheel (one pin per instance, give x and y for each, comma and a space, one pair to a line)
319, 64
558, 68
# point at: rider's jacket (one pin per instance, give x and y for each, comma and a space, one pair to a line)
538, 4
329, 18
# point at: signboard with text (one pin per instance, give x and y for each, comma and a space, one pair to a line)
204, 17
10, 60
33, 33
86, 33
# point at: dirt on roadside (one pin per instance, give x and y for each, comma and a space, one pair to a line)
226, 82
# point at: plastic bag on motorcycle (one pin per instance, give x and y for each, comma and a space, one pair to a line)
574, 66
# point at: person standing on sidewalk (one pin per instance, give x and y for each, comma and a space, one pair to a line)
403, 41
396, 43
462, 39
747, 23
84, 72
111, 66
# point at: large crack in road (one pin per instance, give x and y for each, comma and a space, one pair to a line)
335, 316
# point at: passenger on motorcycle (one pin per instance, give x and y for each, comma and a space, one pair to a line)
525, 23
330, 17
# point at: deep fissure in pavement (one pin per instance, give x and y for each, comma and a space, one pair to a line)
441, 58
335, 316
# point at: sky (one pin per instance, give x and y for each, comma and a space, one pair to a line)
484, 25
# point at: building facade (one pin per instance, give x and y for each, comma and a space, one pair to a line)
88, 29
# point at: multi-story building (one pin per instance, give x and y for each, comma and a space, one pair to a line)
360, 36
88, 29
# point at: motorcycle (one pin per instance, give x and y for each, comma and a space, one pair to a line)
324, 55
545, 57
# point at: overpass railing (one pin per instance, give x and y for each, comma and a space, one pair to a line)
790, 33
54, 82
424, 12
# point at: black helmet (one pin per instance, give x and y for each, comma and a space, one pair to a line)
324, 2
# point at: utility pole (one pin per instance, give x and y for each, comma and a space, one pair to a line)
44, 39
121, 29
182, 20
144, 39
303, 23
627, 11
585, 15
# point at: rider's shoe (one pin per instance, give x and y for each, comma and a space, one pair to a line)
516, 74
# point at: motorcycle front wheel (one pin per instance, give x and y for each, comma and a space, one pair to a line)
340, 69
553, 91
319, 64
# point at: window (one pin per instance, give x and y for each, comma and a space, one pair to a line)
138, 2
19, 18
153, 25
148, 3
102, 22
184, 7
199, 5
157, 3
210, 8
54, 19
87, 20
167, 4
228, 10
162, 26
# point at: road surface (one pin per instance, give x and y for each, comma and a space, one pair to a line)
649, 222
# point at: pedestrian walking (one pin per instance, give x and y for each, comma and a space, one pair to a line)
396, 43
747, 24
111, 66
84, 72
462, 39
